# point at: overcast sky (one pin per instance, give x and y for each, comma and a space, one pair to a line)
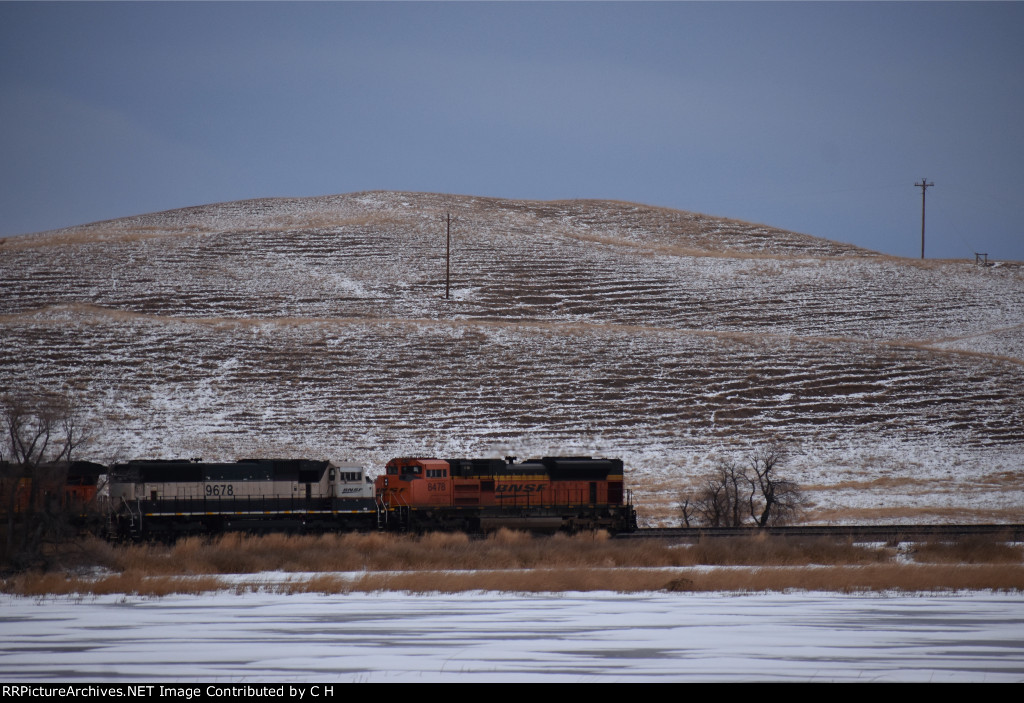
815, 117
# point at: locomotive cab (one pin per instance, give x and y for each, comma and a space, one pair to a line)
415, 482
349, 481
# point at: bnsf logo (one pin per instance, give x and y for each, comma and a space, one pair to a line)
519, 487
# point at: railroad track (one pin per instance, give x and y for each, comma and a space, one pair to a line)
871, 533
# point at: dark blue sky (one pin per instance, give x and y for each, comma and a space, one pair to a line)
816, 117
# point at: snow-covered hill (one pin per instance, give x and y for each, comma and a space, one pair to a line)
319, 327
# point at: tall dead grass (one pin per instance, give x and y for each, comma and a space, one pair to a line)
838, 579
969, 550
235, 553
512, 561
128, 583
505, 549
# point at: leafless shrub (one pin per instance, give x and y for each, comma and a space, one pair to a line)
737, 493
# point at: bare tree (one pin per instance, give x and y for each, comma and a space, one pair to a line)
780, 500
686, 508
750, 493
720, 499
41, 433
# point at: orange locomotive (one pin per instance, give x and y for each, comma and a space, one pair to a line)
548, 495
52, 488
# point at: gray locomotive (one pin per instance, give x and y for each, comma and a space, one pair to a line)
177, 497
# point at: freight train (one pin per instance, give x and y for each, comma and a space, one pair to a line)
171, 498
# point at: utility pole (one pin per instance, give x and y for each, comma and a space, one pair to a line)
923, 185
448, 256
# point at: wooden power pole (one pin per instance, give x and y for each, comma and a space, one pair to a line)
448, 256
923, 185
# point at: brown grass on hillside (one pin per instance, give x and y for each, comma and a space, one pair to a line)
1009, 479
880, 482
65, 238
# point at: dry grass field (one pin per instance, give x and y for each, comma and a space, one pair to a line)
517, 562
319, 328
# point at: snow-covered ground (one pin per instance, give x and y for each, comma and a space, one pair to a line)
318, 328
570, 637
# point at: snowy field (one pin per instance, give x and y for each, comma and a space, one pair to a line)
569, 637
318, 328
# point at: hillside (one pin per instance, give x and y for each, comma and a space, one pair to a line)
319, 327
